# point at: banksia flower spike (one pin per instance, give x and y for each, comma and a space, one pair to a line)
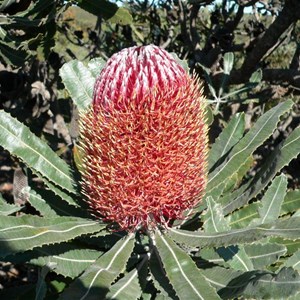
144, 140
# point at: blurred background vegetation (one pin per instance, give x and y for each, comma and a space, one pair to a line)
246, 51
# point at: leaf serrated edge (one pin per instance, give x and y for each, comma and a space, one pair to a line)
38, 173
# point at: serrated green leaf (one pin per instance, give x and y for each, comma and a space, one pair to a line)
70, 263
291, 202
270, 204
18, 234
262, 129
263, 255
159, 277
286, 228
95, 65
243, 217
227, 139
227, 67
254, 284
70, 258
230, 183
103, 239
214, 221
292, 246
182, 272
279, 158
245, 167
95, 282
79, 82
293, 261
62, 203
7, 209
229, 283
214, 193
235, 257
69, 198
20, 141
279, 286
209, 255
127, 288
39, 203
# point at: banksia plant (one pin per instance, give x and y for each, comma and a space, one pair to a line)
167, 218
144, 140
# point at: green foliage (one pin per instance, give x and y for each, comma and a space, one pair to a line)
27, 232
20, 141
182, 272
262, 129
243, 241
29, 32
7, 209
28, 29
97, 278
79, 80
226, 140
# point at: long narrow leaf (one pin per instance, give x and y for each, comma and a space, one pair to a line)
292, 246
236, 257
60, 206
184, 276
26, 232
69, 259
39, 203
272, 200
69, 198
263, 255
243, 217
291, 202
127, 288
280, 157
20, 141
159, 277
287, 228
263, 128
227, 139
69, 263
8, 209
95, 282
293, 261
282, 285
229, 283
254, 284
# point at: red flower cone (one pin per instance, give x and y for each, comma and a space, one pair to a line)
144, 140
